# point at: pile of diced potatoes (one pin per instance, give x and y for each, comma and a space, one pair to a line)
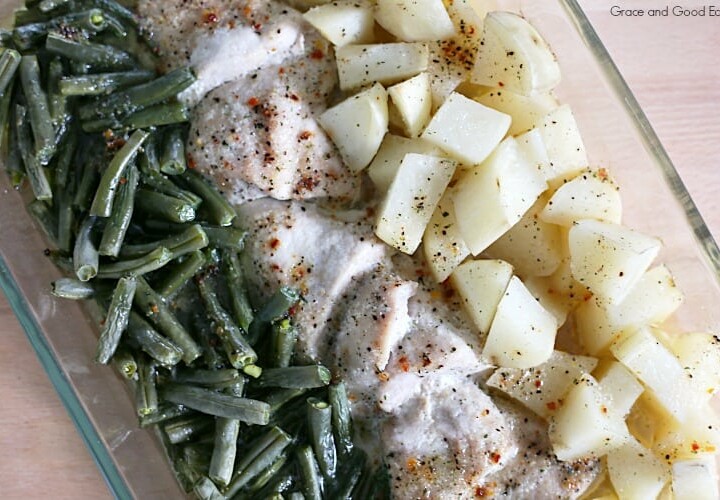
450, 112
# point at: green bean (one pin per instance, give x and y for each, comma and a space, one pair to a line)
348, 475
85, 254
125, 364
205, 489
296, 495
169, 113
219, 210
121, 215
277, 398
45, 219
61, 260
97, 55
105, 195
165, 412
211, 357
241, 308
66, 220
284, 338
379, 485
164, 206
177, 276
102, 83
28, 16
264, 478
70, 288
210, 402
341, 419
117, 319
238, 350
89, 177
186, 428
38, 109
117, 9
148, 157
197, 454
319, 416
236, 388
122, 104
309, 473
155, 309
64, 158
56, 101
157, 181
207, 377
222, 461
186, 475
252, 370
190, 240
275, 480
278, 305
6, 123
144, 337
35, 172
50, 5
173, 161
146, 393
228, 238
151, 262
9, 62
295, 377
258, 458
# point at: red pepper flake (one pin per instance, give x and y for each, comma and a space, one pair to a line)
191, 161
294, 97
317, 54
274, 243
210, 16
538, 384
404, 364
247, 12
587, 296
412, 464
281, 71
154, 309
552, 406
305, 135
695, 447
483, 492
501, 84
123, 180
253, 101
604, 409
257, 26
291, 312
307, 183
495, 457
603, 174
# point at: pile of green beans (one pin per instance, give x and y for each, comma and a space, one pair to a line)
98, 138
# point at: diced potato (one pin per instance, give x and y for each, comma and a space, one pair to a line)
635, 472
695, 479
413, 101
491, 197
386, 63
481, 285
590, 195
526, 112
357, 125
443, 246
415, 20
514, 56
699, 353
531, 144
585, 425
532, 246
559, 293
411, 200
393, 149
650, 302
303, 5
522, 334
698, 435
466, 130
609, 259
658, 369
621, 386
564, 144
343, 22
542, 388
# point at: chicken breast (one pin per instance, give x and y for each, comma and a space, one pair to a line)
263, 76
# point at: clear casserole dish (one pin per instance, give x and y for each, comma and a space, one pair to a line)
616, 135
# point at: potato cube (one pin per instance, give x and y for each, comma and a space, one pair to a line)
635, 472
491, 197
343, 22
411, 200
695, 479
609, 259
481, 285
522, 333
514, 56
699, 353
559, 293
658, 369
542, 388
526, 112
590, 195
466, 130
415, 20
387, 161
532, 246
443, 246
698, 435
357, 125
621, 386
413, 101
585, 425
386, 63
564, 144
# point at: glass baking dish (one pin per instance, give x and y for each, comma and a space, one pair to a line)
616, 133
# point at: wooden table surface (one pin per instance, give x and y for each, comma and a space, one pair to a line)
671, 64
